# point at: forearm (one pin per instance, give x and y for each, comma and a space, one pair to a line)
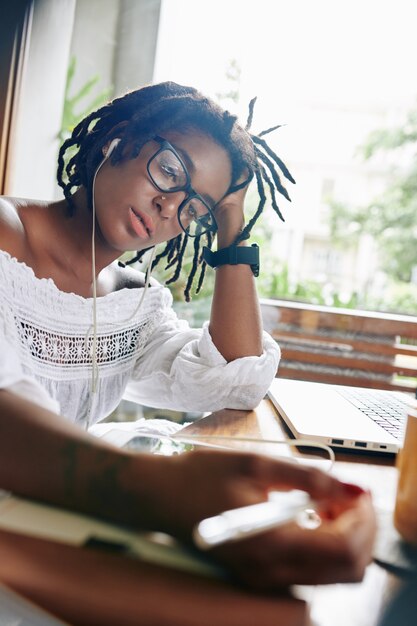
44, 457
235, 322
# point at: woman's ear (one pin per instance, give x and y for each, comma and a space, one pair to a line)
110, 146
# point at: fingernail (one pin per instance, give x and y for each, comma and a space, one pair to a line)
352, 490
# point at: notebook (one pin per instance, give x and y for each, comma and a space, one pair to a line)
44, 521
358, 418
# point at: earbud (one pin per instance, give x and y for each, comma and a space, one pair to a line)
113, 145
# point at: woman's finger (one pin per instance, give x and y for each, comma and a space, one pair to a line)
282, 475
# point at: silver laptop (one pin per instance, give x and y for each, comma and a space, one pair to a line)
342, 417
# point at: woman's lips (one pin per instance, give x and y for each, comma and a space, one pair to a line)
142, 224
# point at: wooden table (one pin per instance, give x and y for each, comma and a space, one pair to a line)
90, 587
358, 604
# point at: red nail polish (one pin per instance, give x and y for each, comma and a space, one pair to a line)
353, 490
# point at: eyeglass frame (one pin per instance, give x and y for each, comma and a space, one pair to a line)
187, 188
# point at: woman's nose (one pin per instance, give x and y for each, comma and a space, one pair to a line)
168, 203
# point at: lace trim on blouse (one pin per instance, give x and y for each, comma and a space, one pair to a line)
53, 329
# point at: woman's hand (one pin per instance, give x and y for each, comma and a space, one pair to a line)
209, 482
229, 214
338, 551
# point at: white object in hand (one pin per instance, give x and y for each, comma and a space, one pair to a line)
251, 520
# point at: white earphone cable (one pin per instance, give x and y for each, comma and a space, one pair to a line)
95, 372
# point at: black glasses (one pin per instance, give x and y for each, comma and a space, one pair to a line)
168, 173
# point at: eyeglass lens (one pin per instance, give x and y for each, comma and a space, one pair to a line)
168, 174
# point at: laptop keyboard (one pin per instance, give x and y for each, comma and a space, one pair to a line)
380, 406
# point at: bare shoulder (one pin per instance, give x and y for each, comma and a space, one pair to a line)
12, 231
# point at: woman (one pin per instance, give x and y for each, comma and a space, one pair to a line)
162, 164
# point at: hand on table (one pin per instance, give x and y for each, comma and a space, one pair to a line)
214, 481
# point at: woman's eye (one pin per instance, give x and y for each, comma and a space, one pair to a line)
169, 172
192, 212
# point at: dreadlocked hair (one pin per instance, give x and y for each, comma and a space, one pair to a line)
136, 118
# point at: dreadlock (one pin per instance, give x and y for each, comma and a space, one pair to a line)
139, 116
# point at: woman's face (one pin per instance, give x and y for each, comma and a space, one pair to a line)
132, 214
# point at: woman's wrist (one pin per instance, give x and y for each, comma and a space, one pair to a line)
149, 486
142, 491
122, 486
228, 239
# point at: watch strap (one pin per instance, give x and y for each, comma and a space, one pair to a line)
234, 255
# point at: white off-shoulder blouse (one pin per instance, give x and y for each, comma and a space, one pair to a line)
154, 358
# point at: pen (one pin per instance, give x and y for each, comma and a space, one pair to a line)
247, 521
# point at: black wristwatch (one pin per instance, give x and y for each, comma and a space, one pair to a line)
234, 255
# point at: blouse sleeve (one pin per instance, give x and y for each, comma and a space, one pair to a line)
181, 369
14, 379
